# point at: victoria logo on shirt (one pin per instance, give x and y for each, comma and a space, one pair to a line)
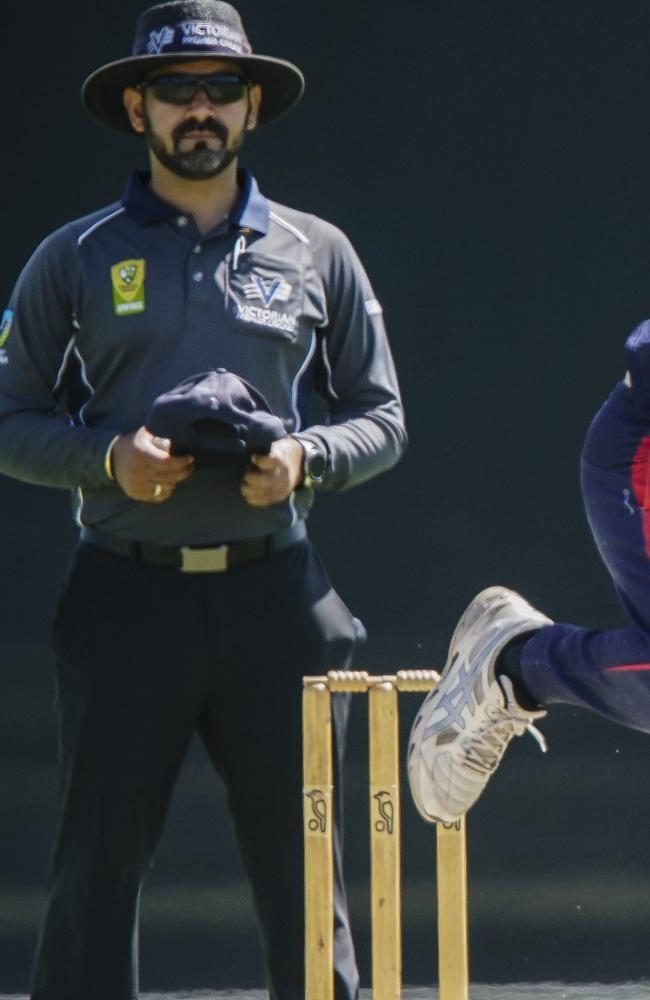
128, 287
268, 291
260, 295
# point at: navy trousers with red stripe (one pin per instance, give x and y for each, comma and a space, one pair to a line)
609, 671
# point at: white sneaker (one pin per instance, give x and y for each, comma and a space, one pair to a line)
467, 721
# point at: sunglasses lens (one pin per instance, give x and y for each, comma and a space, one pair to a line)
173, 90
181, 88
227, 93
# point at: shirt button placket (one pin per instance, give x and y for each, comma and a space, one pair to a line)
197, 275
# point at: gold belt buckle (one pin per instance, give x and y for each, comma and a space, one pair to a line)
213, 560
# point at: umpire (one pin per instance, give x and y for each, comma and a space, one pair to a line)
194, 601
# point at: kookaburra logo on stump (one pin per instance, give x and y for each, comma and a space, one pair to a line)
318, 821
386, 806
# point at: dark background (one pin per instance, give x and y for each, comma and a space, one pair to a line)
490, 163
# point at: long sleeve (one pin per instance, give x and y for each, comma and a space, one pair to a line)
365, 433
38, 442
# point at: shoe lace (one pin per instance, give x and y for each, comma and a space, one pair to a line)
485, 748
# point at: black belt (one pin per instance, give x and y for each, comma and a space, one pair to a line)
197, 559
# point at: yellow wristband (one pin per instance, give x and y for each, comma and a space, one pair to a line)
108, 459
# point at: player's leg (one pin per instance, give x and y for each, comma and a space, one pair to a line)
274, 623
128, 695
605, 671
506, 661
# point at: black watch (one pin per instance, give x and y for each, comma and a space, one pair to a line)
314, 465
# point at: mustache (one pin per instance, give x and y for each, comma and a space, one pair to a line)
210, 126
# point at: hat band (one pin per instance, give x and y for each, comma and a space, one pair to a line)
193, 36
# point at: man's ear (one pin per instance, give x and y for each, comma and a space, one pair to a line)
255, 101
134, 104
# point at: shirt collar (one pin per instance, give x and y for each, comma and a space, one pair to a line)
251, 210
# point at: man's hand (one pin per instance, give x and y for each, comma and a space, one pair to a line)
144, 468
271, 478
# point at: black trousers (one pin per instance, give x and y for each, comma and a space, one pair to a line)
145, 656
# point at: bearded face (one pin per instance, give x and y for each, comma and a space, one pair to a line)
197, 148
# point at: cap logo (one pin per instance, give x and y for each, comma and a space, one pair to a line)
158, 40
197, 35
206, 33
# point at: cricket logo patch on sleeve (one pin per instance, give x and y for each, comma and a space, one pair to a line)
5, 326
128, 287
5, 330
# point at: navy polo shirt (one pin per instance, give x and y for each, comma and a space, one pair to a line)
140, 300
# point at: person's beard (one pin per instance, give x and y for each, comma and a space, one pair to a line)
199, 163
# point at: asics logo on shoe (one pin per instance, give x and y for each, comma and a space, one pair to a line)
466, 694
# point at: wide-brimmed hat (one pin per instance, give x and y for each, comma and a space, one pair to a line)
190, 29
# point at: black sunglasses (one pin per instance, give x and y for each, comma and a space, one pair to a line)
180, 88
